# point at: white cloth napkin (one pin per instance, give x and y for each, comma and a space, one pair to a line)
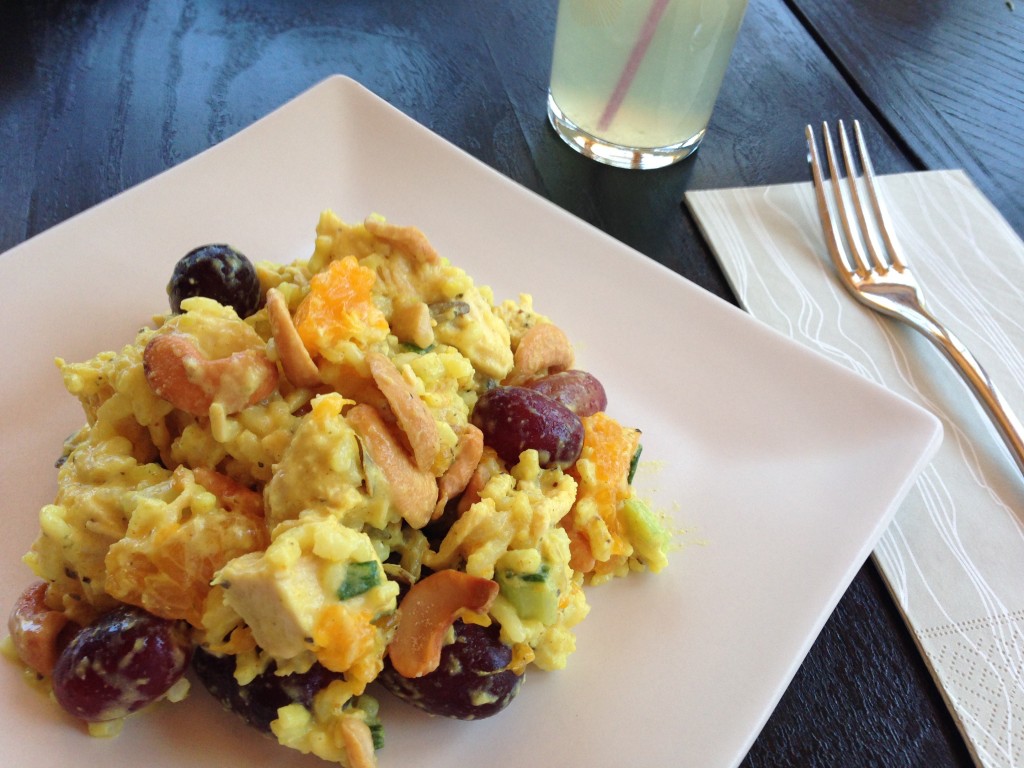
954, 555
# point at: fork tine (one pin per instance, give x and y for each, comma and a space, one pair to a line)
867, 232
852, 233
881, 212
833, 237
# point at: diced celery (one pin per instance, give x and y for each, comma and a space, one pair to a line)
646, 533
532, 594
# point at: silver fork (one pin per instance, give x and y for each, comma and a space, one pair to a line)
876, 272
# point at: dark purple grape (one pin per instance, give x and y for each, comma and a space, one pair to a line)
438, 527
258, 701
471, 682
217, 272
514, 419
123, 661
578, 391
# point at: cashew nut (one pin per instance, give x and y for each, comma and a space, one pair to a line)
358, 741
408, 239
298, 366
428, 609
462, 469
179, 374
543, 349
477, 481
413, 491
413, 416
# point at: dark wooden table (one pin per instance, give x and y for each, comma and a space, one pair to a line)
98, 96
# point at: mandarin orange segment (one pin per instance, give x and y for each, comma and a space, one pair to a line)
166, 565
169, 572
610, 447
339, 306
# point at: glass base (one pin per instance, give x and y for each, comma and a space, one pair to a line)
616, 154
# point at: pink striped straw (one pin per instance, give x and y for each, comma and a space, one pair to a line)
633, 63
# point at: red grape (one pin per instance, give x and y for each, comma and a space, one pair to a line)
514, 419
578, 391
123, 661
218, 272
472, 681
258, 701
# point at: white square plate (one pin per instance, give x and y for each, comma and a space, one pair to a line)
780, 469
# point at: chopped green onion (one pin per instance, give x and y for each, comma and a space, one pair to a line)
359, 578
633, 463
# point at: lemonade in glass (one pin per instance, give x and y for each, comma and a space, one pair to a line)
633, 82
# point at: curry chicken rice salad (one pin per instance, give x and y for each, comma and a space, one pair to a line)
304, 479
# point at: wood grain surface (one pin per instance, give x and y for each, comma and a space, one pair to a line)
946, 76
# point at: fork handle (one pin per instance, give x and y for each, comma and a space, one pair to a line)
1003, 417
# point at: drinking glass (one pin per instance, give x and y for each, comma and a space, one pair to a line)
633, 82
